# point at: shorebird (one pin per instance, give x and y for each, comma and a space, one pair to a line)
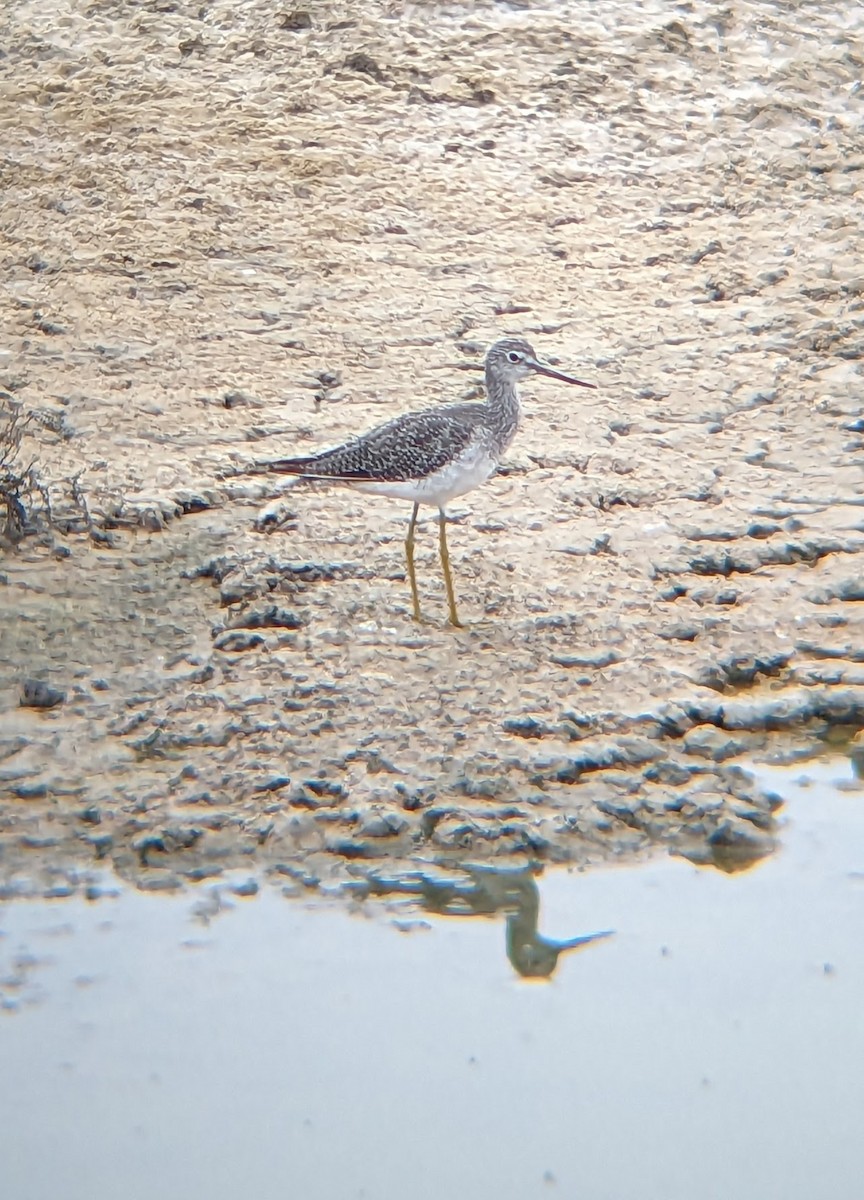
430, 457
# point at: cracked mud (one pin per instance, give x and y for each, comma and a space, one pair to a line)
230, 233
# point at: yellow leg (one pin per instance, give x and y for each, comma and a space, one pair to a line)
409, 558
445, 564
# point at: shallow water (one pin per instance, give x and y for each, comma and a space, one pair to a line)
711, 1047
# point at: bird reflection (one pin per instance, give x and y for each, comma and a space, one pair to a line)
857, 757
487, 891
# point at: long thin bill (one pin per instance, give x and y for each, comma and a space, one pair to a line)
543, 369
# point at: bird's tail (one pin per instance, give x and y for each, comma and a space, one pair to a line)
317, 466
290, 466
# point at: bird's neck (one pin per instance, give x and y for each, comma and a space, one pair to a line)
502, 400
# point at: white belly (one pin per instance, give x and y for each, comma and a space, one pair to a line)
460, 476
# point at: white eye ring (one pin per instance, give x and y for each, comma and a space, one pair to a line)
514, 356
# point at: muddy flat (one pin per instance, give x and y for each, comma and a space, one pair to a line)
240, 232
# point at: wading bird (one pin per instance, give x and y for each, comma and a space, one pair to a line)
432, 456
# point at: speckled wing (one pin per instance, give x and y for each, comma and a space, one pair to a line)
407, 448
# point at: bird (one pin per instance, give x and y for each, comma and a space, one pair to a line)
433, 455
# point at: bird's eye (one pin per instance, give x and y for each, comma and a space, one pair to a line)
514, 356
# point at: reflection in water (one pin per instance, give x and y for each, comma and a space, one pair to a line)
514, 893
856, 755
147, 1029
728, 851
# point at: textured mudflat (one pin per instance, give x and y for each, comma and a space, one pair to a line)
238, 232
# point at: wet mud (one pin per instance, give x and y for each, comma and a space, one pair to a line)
235, 232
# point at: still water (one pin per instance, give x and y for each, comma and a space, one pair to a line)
711, 1047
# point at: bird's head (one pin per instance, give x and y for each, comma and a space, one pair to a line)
513, 359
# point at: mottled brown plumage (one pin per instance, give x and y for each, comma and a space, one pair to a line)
409, 447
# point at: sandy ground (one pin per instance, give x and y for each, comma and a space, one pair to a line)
239, 231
